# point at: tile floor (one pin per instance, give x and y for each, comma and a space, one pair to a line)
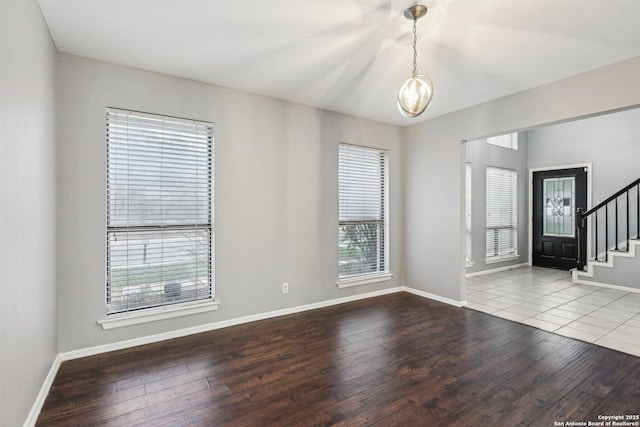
546, 299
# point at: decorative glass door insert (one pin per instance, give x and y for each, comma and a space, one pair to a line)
559, 218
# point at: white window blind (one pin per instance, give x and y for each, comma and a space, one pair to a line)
362, 231
468, 211
160, 173
502, 216
509, 140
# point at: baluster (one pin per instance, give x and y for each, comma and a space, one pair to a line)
595, 241
616, 239
596, 233
606, 232
627, 221
580, 234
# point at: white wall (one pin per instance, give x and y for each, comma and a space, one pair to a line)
276, 195
28, 300
434, 186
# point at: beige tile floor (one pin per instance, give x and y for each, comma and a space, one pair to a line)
546, 299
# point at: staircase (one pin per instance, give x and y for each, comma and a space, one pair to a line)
608, 235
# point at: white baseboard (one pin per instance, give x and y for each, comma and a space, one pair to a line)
44, 392
150, 339
120, 345
592, 265
605, 285
496, 270
434, 297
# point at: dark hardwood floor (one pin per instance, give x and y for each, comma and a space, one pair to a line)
392, 360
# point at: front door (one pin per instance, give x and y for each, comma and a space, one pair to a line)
556, 195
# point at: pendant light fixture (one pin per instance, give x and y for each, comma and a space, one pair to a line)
414, 95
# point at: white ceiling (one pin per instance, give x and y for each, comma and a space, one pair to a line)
350, 56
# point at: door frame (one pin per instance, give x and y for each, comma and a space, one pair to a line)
589, 168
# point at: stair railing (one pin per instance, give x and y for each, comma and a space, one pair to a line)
601, 237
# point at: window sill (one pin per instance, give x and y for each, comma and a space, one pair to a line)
503, 258
363, 280
154, 314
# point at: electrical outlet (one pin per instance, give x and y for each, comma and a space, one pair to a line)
285, 288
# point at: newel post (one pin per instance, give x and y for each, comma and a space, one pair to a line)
582, 237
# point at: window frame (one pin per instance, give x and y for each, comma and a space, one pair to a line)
512, 252
507, 140
468, 215
381, 274
204, 298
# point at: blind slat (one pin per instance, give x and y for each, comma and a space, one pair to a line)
501, 214
468, 212
160, 175
509, 140
362, 231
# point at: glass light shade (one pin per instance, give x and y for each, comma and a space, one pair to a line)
414, 96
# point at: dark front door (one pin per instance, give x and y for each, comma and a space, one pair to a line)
556, 195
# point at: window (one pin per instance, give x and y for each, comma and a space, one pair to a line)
509, 140
502, 218
559, 217
468, 213
160, 175
362, 230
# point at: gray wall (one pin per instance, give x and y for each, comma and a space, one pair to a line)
28, 301
625, 272
276, 195
480, 155
610, 142
434, 169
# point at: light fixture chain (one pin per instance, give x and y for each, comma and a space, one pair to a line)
415, 51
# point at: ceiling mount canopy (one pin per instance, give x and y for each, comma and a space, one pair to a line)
416, 11
415, 94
